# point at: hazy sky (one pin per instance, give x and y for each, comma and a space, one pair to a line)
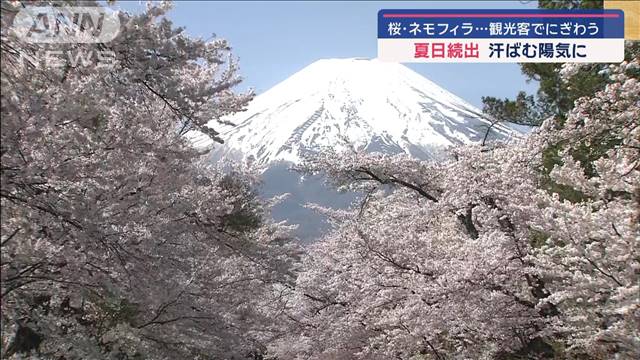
274, 39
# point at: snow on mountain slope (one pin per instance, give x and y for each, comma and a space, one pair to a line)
369, 104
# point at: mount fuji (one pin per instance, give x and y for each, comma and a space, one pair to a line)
343, 103
360, 103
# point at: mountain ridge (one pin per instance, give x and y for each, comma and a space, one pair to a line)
369, 104
359, 103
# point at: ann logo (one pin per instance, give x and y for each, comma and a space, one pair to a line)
66, 24
47, 24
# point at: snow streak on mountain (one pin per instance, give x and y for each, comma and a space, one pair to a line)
368, 104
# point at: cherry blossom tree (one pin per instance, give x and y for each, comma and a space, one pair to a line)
433, 263
476, 257
118, 240
589, 248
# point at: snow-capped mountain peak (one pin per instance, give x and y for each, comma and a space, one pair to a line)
369, 104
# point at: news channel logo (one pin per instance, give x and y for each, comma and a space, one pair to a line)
66, 24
